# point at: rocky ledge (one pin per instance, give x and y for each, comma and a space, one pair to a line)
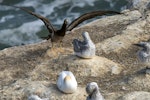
33, 69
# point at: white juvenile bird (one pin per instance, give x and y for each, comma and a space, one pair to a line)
85, 48
93, 90
66, 82
144, 55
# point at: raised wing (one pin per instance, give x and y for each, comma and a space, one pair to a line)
45, 20
87, 16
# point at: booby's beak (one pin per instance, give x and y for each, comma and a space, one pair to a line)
87, 90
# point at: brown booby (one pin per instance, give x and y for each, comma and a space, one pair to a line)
56, 35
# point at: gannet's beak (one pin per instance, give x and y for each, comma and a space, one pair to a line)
87, 90
140, 44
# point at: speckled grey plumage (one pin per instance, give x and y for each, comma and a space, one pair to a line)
93, 92
35, 97
144, 55
85, 48
148, 6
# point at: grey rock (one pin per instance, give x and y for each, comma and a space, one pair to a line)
137, 95
142, 5
85, 48
35, 87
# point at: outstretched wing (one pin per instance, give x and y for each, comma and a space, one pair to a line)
87, 16
45, 20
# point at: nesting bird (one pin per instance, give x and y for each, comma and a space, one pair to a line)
66, 82
85, 48
35, 97
56, 35
93, 92
144, 54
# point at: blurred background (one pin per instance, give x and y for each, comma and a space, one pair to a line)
19, 28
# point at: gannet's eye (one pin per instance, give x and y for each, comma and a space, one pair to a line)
147, 44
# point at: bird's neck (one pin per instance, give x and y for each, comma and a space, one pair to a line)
94, 93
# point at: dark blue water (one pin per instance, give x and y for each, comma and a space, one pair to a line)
18, 27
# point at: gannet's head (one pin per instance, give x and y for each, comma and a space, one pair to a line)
67, 78
86, 36
34, 97
144, 45
91, 87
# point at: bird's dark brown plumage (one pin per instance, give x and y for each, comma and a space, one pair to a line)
87, 16
57, 35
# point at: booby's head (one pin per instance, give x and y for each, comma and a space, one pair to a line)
86, 36
144, 45
66, 22
91, 87
64, 27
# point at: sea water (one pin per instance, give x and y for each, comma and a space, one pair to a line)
20, 28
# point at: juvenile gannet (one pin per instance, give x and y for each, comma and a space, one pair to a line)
144, 55
56, 35
35, 97
66, 82
85, 48
93, 92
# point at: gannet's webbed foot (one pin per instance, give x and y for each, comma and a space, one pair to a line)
76, 45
